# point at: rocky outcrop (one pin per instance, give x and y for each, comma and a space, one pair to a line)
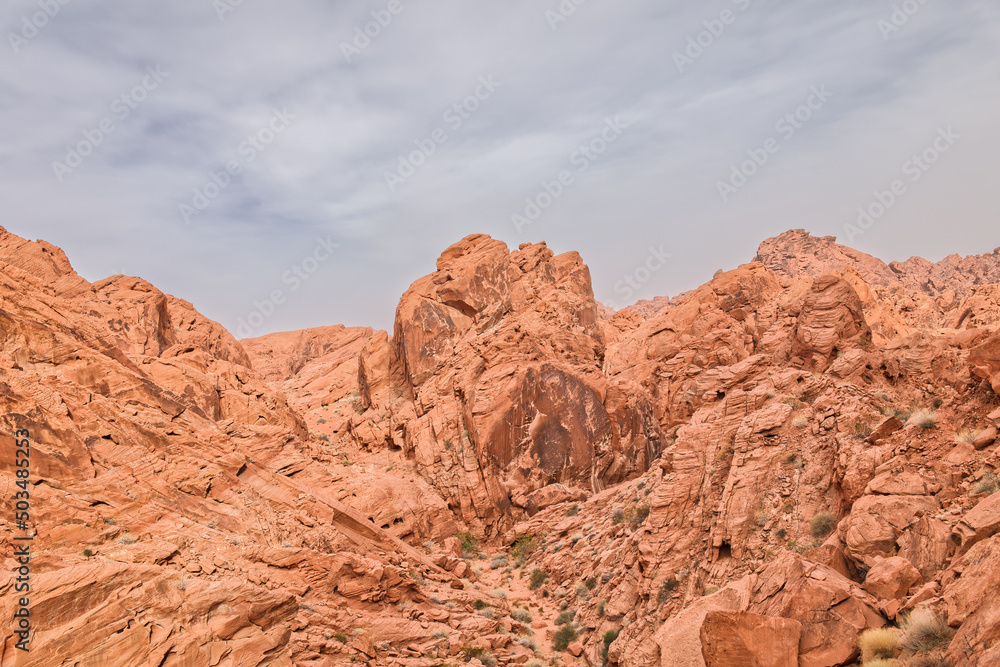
493, 385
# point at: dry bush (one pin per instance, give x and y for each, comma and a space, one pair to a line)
923, 630
878, 643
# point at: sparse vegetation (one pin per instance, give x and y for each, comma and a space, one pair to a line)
500, 593
923, 630
521, 616
609, 637
538, 579
711, 590
822, 524
126, 539
565, 635
447, 444
523, 547
470, 545
968, 435
800, 421
876, 643
498, 561
528, 642
565, 617
87, 553
573, 511
440, 634
618, 516
666, 588
479, 604
987, 484
602, 606
925, 420
480, 654
582, 592
761, 517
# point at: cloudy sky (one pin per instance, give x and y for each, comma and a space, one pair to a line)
344, 164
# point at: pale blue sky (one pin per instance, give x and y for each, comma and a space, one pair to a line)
318, 171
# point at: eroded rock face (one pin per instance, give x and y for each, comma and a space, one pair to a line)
493, 384
753, 472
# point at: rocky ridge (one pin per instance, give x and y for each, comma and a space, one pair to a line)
754, 472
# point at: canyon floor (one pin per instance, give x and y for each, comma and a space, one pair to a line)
794, 464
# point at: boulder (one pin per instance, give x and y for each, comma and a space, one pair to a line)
741, 639
892, 578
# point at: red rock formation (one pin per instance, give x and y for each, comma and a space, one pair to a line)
753, 472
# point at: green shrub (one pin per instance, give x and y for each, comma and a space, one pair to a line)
566, 617
521, 616
609, 637
88, 553
342, 638
523, 546
666, 588
822, 524
480, 604
565, 635
538, 579
470, 545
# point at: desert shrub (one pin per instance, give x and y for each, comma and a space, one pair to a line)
606, 577
640, 515
488, 613
924, 419
609, 637
988, 484
711, 590
440, 634
576, 537
565, 635
573, 511
928, 660
878, 643
480, 654
478, 604
126, 539
582, 592
602, 606
565, 617
781, 534
559, 592
666, 588
881, 662
590, 583
968, 435
761, 517
534, 663
923, 630
538, 579
470, 544
523, 547
800, 421
342, 638
618, 515
321, 420
500, 593
528, 642
88, 553
498, 561
822, 524
521, 616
